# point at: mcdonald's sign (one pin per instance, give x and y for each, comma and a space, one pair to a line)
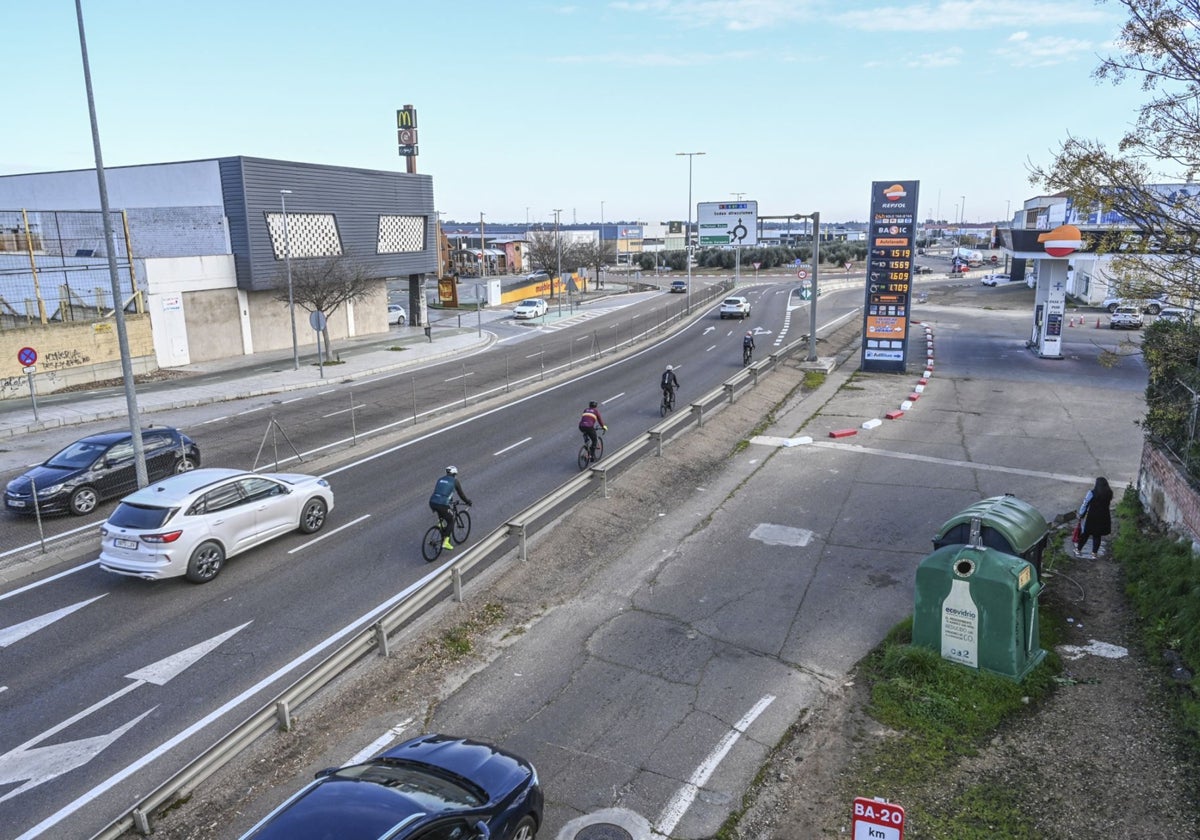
406, 130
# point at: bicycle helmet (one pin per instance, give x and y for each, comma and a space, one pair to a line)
451, 470
670, 368
592, 404
750, 332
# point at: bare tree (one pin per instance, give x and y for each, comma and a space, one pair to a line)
594, 254
542, 248
324, 285
1160, 45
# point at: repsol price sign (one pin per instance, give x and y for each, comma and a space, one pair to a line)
891, 242
875, 820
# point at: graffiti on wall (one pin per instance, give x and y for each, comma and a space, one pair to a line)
59, 359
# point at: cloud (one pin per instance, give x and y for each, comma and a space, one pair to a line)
933, 60
658, 59
734, 15
962, 15
1023, 51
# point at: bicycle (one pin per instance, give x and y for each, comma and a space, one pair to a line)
431, 546
668, 402
586, 454
747, 354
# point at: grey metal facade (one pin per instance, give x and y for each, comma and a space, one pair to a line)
355, 198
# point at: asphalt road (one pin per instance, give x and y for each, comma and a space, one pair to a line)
111, 684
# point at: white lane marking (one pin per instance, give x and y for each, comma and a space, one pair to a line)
284, 670
950, 462
313, 542
354, 407
214, 420
375, 747
251, 410
535, 355
44, 581
16, 632
326, 391
460, 376
613, 398
289, 402
513, 446
683, 798
710, 349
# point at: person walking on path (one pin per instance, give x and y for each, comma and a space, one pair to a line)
1094, 517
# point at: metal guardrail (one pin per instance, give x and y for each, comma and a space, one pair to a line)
375, 636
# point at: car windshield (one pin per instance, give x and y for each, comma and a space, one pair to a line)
139, 517
433, 789
78, 454
733, 301
528, 304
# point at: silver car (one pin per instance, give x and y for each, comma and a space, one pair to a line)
190, 524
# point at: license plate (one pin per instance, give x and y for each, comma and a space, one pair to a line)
125, 543
15, 503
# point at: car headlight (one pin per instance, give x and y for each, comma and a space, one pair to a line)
51, 490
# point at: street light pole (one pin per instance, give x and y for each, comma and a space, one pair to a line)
688, 230
558, 252
287, 261
962, 216
482, 255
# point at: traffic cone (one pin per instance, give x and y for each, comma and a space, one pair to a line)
1071, 321
1097, 322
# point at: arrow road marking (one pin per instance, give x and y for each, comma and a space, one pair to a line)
707, 330
36, 766
16, 632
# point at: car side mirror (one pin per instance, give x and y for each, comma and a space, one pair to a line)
484, 833
328, 771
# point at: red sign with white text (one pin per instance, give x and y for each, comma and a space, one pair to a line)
875, 820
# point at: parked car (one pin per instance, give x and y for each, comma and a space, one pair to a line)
678, 286
530, 308
735, 307
961, 268
1125, 318
921, 269
190, 524
98, 467
1150, 306
995, 279
433, 786
397, 315
1175, 315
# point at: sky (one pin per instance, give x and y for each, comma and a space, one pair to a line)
584, 106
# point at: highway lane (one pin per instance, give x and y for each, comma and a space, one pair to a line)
277, 605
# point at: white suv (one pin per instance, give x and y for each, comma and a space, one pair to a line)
735, 307
1126, 318
1151, 306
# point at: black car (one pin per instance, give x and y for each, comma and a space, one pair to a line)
921, 269
99, 467
434, 787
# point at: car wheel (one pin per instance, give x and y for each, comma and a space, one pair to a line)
84, 500
312, 517
1153, 309
526, 829
400, 321
205, 562
184, 464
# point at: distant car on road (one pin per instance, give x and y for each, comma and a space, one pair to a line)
995, 279
190, 524
1125, 318
735, 307
99, 467
1174, 315
536, 276
433, 787
679, 286
529, 308
921, 269
397, 315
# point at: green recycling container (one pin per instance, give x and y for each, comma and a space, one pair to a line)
1002, 522
978, 607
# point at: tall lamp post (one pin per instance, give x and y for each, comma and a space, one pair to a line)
688, 230
287, 261
482, 255
558, 252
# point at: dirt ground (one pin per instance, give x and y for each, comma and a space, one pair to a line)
1098, 760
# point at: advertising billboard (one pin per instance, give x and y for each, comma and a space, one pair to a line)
890, 248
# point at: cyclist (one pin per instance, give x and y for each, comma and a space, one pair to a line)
747, 346
669, 383
439, 503
588, 422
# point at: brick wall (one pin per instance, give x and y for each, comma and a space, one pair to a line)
1167, 495
72, 354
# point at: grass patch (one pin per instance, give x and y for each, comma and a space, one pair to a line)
813, 379
397, 347
459, 640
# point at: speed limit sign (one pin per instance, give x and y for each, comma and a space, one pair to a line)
802, 274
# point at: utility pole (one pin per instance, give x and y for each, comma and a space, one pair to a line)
688, 229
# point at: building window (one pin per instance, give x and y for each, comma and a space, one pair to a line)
308, 235
401, 235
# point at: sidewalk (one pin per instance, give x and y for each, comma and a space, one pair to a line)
243, 376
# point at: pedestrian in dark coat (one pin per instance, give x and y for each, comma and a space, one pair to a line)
1095, 518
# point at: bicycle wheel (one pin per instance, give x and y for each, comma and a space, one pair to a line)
584, 458
664, 407
462, 527
599, 448
431, 546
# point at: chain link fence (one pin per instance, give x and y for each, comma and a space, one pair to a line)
54, 267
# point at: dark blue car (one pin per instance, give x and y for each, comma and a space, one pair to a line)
96, 468
434, 787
